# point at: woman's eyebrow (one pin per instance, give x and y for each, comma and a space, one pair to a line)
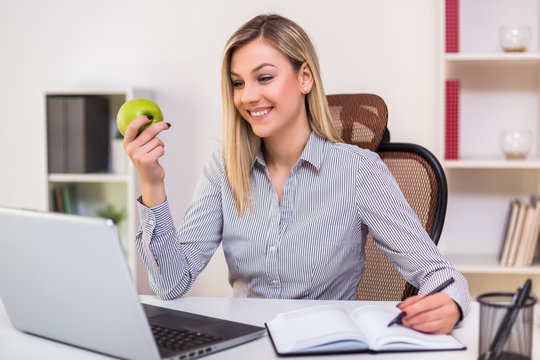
257, 68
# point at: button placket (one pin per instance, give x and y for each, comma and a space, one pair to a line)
272, 274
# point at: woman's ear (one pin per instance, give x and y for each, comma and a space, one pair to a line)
306, 78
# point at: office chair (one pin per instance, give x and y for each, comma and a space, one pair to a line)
361, 119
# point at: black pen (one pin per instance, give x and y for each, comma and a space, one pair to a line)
444, 285
503, 332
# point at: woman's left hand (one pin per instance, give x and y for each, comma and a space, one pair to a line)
435, 314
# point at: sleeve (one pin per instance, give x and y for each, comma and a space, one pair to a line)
399, 234
174, 258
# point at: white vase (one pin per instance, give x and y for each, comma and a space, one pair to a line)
119, 159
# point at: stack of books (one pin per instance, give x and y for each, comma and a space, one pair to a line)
520, 245
64, 199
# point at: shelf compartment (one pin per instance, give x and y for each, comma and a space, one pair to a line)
532, 164
493, 57
89, 178
487, 264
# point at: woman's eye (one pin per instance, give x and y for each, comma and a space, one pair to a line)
265, 78
237, 83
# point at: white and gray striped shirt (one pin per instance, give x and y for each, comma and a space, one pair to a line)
310, 247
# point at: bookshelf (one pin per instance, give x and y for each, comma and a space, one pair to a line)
95, 190
497, 90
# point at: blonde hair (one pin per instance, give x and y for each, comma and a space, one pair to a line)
240, 145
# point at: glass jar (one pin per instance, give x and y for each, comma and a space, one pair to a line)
515, 144
514, 38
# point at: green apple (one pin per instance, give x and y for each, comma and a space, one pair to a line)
135, 108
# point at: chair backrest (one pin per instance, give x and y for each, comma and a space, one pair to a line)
361, 119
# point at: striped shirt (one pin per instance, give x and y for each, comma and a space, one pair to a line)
310, 247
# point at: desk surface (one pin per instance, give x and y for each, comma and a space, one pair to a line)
15, 345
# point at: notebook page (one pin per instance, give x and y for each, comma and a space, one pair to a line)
308, 328
397, 337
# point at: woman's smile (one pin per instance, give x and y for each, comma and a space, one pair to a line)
259, 113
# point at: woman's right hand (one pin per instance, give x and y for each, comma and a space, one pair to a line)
144, 150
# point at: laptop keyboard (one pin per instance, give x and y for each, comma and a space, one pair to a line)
173, 339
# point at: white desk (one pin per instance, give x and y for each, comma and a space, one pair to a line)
15, 345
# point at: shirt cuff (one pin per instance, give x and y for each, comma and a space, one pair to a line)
156, 220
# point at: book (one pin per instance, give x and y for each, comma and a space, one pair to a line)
516, 236
535, 232
78, 134
508, 230
527, 234
330, 329
452, 26
452, 120
56, 136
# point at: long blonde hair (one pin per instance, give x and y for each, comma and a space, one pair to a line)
240, 145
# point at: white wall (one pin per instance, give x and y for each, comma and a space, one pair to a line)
173, 47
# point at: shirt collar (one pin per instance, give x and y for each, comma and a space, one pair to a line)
313, 152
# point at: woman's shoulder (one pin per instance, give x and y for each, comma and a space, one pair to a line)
352, 151
214, 165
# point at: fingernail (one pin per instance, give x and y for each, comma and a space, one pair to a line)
169, 124
150, 117
401, 316
398, 305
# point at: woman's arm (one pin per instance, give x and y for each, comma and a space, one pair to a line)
173, 259
399, 234
144, 150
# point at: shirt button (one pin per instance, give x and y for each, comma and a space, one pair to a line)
274, 282
272, 248
151, 222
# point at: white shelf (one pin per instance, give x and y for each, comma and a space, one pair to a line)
533, 164
89, 178
498, 90
494, 57
487, 264
95, 190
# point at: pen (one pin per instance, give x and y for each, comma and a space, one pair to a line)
444, 285
500, 338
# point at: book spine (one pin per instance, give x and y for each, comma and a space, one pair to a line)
452, 120
56, 135
452, 26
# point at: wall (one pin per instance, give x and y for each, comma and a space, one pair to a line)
173, 47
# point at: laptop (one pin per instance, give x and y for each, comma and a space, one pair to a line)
65, 278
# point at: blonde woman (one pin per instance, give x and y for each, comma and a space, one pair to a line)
287, 200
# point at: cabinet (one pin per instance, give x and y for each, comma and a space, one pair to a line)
498, 91
115, 184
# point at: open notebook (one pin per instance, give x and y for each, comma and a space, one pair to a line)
330, 329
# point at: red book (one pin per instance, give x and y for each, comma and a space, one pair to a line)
452, 120
452, 26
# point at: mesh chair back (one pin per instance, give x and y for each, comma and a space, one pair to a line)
418, 174
360, 119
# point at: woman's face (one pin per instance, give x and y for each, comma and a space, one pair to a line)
267, 91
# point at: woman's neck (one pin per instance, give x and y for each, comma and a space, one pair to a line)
283, 151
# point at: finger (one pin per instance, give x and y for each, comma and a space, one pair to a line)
150, 162
424, 303
133, 129
436, 314
151, 132
140, 154
152, 144
409, 301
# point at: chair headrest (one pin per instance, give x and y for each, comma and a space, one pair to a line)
360, 119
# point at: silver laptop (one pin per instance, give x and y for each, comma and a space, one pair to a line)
65, 278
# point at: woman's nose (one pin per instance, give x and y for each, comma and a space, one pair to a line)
250, 94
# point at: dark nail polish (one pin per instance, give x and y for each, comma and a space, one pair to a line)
401, 316
168, 124
150, 117
398, 305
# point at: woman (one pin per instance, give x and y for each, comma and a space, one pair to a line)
290, 203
